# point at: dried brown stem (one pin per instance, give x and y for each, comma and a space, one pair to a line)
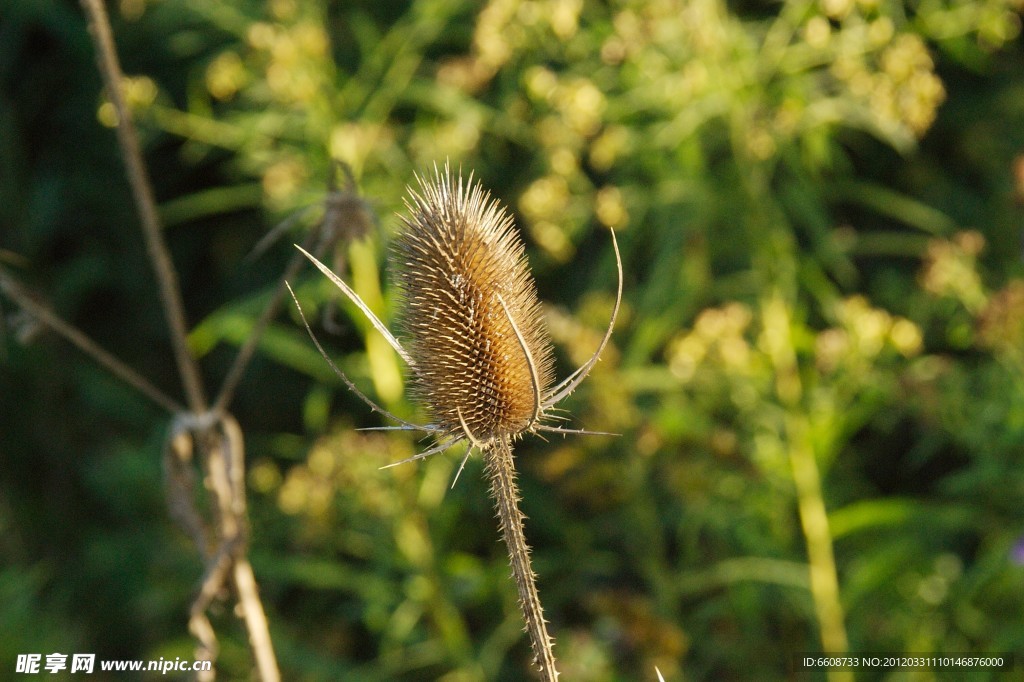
500, 469
50, 319
344, 213
255, 620
235, 525
199, 625
245, 354
217, 434
180, 483
145, 203
222, 540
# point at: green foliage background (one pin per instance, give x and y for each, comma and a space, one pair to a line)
820, 210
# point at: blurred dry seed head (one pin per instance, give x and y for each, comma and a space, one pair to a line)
347, 217
482, 357
1000, 324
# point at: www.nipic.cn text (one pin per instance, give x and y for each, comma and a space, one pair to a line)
40, 664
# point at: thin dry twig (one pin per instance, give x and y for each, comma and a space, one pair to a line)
44, 315
255, 619
346, 217
221, 540
145, 203
248, 349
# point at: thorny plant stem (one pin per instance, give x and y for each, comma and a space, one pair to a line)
138, 178
500, 469
50, 319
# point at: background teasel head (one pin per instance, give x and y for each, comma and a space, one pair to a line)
476, 332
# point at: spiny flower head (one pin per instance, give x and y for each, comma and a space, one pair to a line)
481, 354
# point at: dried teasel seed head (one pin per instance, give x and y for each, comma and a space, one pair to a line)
347, 211
481, 355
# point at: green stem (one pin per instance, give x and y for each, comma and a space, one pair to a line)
814, 521
824, 579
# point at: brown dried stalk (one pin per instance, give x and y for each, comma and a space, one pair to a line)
145, 203
347, 217
223, 539
479, 352
47, 317
215, 434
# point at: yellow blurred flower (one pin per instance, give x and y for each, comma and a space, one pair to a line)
546, 197
225, 76
563, 161
867, 327
261, 35
950, 269
354, 142
582, 104
139, 93
541, 82
264, 476
284, 10
880, 31
311, 39
564, 16
685, 354
552, 238
906, 337
608, 146
837, 9
817, 32
830, 347
490, 39
610, 208
282, 179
